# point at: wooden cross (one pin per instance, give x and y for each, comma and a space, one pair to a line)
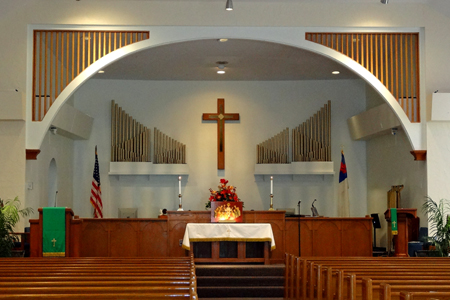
220, 117
54, 242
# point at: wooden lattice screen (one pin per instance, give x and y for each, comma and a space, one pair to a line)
391, 57
60, 56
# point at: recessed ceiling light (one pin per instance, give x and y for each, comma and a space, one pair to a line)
101, 72
335, 72
223, 40
221, 72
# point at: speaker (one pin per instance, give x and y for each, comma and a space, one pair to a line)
375, 221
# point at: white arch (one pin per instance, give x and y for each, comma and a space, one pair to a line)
291, 36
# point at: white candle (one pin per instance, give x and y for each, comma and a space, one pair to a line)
179, 185
271, 185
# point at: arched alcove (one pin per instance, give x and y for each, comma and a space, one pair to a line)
172, 35
52, 184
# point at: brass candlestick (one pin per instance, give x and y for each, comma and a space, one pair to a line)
180, 206
271, 202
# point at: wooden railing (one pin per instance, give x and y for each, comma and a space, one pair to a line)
391, 57
60, 56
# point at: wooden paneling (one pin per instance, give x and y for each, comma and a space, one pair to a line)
161, 237
329, 236
382, 54
153, 240
359, 232
123, 238
94, 239
61, 55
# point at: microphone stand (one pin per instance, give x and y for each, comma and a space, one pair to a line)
299, 215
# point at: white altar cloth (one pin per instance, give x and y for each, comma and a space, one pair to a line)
235, 232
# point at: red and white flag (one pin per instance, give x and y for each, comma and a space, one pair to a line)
343, 197
96, 190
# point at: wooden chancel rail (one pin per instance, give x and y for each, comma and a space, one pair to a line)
274, 150
130, 140
61, 55
311, 141
391, 57
167, 150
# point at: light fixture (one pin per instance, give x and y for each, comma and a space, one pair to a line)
221, 67
101, 72
53, 130
385, 1
229, 5
335, 72
223, 40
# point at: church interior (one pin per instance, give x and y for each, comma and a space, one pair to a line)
161, 100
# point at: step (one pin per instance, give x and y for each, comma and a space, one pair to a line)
240, 292
240, 281
239, 270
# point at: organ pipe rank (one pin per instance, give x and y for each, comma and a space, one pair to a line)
311, 141
130, 140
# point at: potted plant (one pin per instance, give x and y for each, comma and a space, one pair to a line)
438, 224
9, 216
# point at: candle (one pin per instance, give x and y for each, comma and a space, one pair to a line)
179, 185
271, 185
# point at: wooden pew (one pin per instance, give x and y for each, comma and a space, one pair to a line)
424, 295
342, 277
141, 278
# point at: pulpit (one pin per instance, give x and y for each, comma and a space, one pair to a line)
72, 224
407, 223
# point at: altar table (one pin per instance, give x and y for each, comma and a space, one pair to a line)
226, 232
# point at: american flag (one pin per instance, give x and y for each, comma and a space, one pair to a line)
96, 190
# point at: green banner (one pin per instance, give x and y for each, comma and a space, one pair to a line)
394, 223
54, 231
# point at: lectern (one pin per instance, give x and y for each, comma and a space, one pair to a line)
407, 220
73, 226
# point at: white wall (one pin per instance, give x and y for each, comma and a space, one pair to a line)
37, 173
390, 163
12, 161
16, 15
176, 108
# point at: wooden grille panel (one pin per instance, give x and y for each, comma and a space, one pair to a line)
60, 56
391, 57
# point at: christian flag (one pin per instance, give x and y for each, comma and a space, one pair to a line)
343, 199
96, 190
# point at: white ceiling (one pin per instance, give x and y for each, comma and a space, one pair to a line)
247, 60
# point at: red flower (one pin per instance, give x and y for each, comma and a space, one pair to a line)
224, 193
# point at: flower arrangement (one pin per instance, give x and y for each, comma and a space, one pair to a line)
224, 193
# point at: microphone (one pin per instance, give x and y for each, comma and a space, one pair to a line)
56, 194
314, 210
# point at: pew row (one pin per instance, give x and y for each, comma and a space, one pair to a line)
361, 278
89, 278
